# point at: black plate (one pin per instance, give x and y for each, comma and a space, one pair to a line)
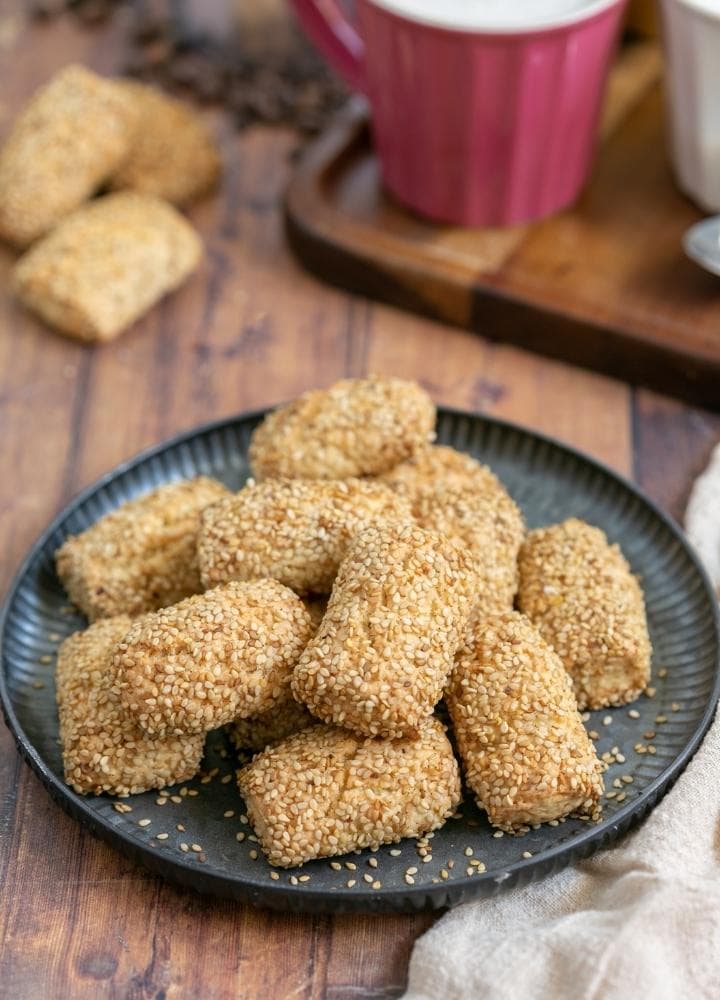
550, 482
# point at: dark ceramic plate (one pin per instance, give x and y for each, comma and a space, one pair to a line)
550, 482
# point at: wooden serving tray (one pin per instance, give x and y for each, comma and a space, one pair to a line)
604, 284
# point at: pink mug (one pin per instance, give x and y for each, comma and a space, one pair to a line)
474, 126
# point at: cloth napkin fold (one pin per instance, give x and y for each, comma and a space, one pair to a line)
639, 921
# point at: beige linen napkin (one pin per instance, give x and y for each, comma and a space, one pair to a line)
639, 921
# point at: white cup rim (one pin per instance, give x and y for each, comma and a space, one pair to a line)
545, 24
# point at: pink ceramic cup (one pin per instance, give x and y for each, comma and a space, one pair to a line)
475, 127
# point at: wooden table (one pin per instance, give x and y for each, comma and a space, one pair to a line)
76, 919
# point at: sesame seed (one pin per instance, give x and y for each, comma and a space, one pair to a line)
46, 659
368, 878
351, 882
649, 692
427, 859
411, 871
497, 834
395, 853
226, 779
451, 864
620, 758
662, 672
293, 880
54, 636
468, 852
180, 827
409, 879
184, 848
675, 707
650, 734
351, 865
660, 719
196, 848
228, 813
651, 749
444, 873
176, 799
274, 876
634, 714
144, 822
628, 779
372, 862
160, 800
470, 871
377, 884
38, 685
594, 735
240, 837
336, 866
193, 792
622, 796
610, 795
253, 855
162, 836
243, 818
607, 719
304, 878
526, 854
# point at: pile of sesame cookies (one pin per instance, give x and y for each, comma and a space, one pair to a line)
324, 611
93, 265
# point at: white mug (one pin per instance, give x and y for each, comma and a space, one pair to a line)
691, 36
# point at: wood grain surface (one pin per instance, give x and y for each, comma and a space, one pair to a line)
76, 919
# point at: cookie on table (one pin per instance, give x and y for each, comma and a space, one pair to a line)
103, 748
69, 139
106, 264
525, 752
142, 555
397, 613
326, 791
455, 495
173, 155
357, 427
295, 531
583, 598
212, 658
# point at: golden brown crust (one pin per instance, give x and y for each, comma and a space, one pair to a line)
104, 750
107, 264
453, 494
357, 427
218, 656
525, 752
325, 791
270, 727
173, 155
141, 556
584, 600
294, 531
68, 140
395, 618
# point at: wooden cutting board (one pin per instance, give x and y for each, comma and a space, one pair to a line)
604, 284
